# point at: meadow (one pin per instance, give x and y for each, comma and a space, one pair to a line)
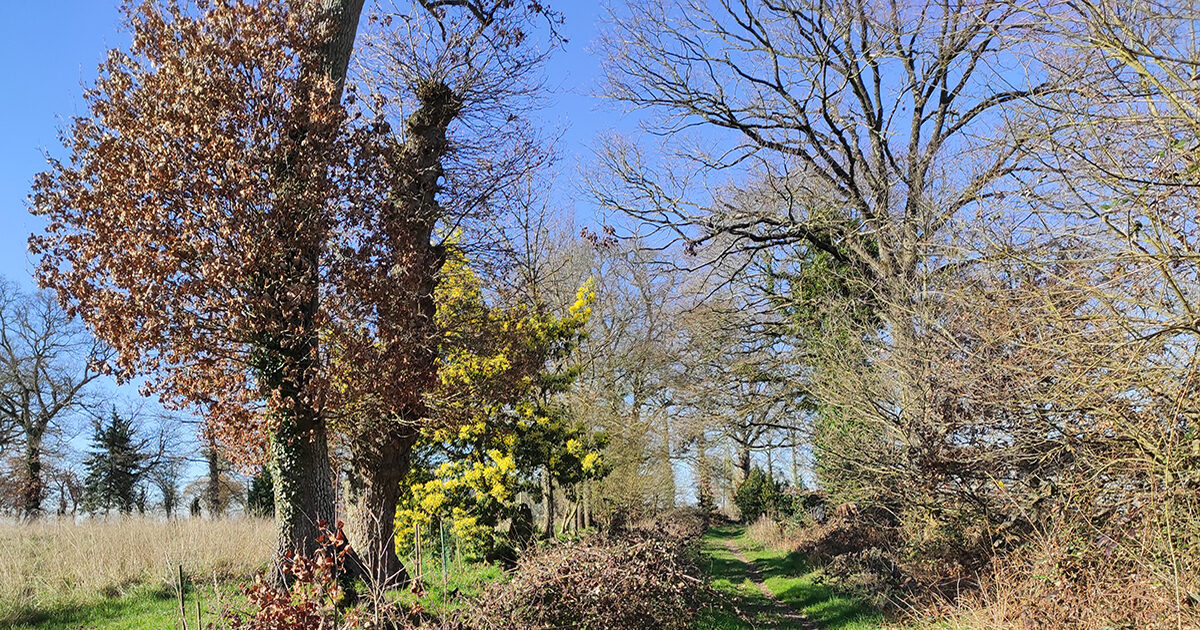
122, 572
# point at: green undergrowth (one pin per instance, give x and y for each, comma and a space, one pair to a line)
788, 575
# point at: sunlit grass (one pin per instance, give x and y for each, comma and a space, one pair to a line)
788, 576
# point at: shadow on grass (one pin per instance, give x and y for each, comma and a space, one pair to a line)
791, 577
157, 603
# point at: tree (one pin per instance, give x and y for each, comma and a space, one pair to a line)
500, 426
858, 137
441, 140
116, 466
46, 366
164, 476
836, 124
759, 494
260, 497
186, 226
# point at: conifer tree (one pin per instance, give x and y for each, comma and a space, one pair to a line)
260, 497
115, 467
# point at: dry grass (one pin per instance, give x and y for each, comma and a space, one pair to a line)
52, 563
768, 533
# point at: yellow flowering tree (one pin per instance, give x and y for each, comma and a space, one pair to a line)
500, 425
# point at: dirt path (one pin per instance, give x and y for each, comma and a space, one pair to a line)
784, 612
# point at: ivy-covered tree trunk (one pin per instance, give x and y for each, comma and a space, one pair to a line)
304, 498
212, 492
407, 329
299, 444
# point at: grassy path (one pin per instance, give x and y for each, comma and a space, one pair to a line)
774, 590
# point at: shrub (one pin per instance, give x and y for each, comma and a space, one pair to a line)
760, 494
317, 598
768, 533
683, 525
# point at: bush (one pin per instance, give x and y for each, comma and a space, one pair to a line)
760, 494
631, 581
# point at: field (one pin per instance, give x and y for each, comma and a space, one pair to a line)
121, 573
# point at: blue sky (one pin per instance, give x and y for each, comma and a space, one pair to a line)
53, 50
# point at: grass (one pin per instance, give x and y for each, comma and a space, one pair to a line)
120, 573
788, 576
464, 580
139, 608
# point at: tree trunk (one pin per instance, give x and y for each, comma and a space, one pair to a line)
337, 51
374, 491
743, 462
381, 448
303, 489
33, 486
212, 493
548, 503
299, 445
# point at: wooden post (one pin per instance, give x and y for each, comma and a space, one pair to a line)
182, 609
417, 546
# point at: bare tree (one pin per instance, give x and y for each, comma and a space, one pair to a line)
47, 362
861, 130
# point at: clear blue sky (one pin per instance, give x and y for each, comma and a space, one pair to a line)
53, 49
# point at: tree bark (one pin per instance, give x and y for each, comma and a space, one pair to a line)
213, 491
304, 498
33, 486
743, 462
374, 492
407, 317
548, 503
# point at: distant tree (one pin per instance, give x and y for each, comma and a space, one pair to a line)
140, 499
759, 494
45, 368
220, 495
67, 487
260, 497
116, 467
165, 478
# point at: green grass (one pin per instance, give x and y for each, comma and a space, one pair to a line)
788, 576
463, 581
146, 608
140, 608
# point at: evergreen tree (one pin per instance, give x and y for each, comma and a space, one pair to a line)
760, 494
115, 467
260, 498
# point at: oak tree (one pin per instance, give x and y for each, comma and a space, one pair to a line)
186, 223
